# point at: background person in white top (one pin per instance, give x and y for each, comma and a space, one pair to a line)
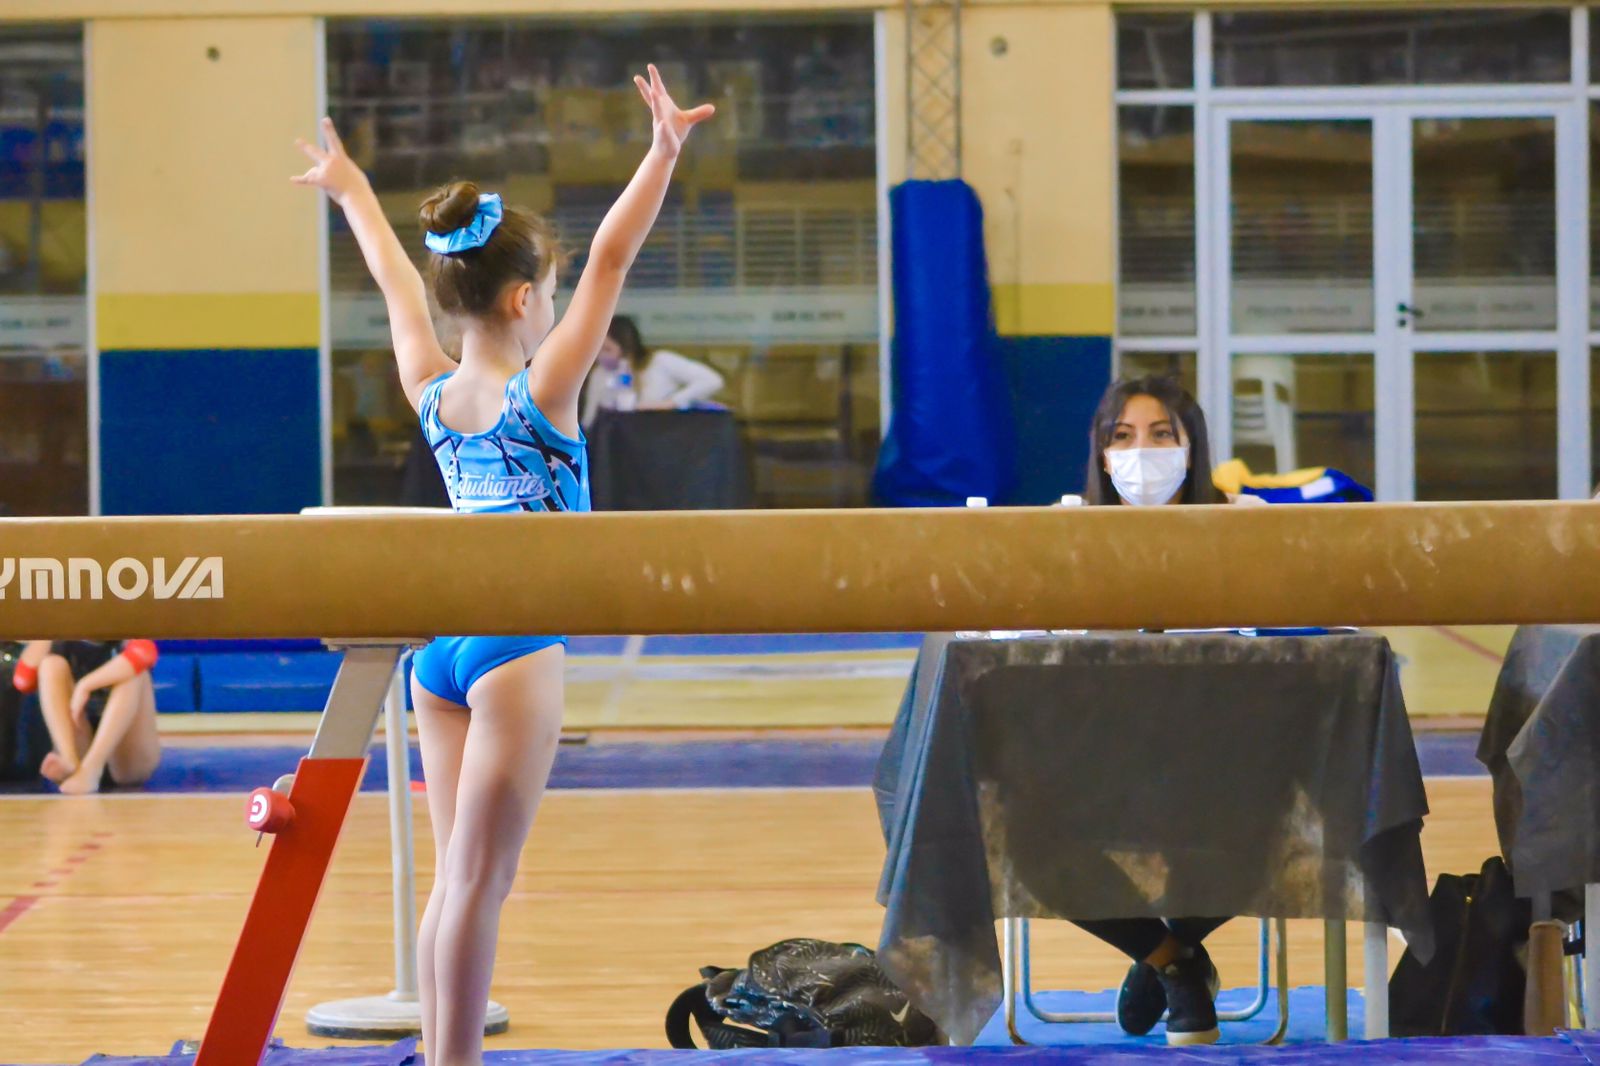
661, 380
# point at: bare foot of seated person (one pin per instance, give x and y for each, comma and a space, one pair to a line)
80, 784
55, 769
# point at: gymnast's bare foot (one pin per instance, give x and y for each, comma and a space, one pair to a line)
80, 784
55, 769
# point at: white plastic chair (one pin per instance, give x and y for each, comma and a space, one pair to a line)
1263, 406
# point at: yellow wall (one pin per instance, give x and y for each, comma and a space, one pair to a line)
1038, 144
199, 239
1038, 137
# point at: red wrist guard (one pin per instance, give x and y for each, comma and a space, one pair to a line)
141, 653
24, 678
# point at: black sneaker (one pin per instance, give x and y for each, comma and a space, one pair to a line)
1213, 981
1141, 1001
1191, 1005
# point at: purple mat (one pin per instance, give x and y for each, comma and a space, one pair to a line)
1565, 1049
402, 1054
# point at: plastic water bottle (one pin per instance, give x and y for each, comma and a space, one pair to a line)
622, 397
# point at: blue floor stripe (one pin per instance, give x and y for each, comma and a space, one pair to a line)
1449, 754
767, 763
744, 764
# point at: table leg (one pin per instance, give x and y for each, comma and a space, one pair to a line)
1010, 976
1591, 957
1375, 959
1334, 976
1281, 966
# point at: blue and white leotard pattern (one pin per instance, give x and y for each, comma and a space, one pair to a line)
522, 463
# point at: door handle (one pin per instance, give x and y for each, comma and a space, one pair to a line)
1405, 309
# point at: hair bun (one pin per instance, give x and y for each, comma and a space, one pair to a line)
450, 207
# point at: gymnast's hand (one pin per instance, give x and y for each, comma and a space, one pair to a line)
80, 702
671, 125
332, 169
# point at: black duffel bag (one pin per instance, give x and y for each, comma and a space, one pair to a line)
1475, 982
800, 993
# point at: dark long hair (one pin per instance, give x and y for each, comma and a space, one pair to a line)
625, 332
1197, 487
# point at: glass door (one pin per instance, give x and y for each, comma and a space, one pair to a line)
1482, 310
1294, 327
1389, 296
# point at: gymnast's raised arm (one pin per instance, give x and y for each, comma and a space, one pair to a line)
416, 346
564, 359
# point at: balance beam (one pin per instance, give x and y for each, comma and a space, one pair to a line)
399, 576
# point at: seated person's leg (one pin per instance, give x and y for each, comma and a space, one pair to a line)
1168, 975
1137, 938
126, 740
1191, 931
137, 756
68, 739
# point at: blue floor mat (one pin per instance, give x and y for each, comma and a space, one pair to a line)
1307, 1024
1564, 1049
751, 644
1453, 754
696, 764
681, 764
747, 644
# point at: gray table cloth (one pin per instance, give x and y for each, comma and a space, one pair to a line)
1124, 775
668, 461
1541, 743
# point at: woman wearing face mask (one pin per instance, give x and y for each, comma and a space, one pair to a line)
1149, 448
1148, 436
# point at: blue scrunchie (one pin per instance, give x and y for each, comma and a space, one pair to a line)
474, 234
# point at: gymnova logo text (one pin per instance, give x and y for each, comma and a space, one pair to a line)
194, 578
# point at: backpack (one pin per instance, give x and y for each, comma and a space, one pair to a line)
800, 993
1475, 982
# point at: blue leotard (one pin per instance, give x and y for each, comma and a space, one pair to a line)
522, 463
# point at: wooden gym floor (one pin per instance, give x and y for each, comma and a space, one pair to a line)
118, 913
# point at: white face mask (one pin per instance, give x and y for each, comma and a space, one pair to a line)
1148, 477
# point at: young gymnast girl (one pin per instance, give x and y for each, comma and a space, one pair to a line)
95, 743
504, 428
